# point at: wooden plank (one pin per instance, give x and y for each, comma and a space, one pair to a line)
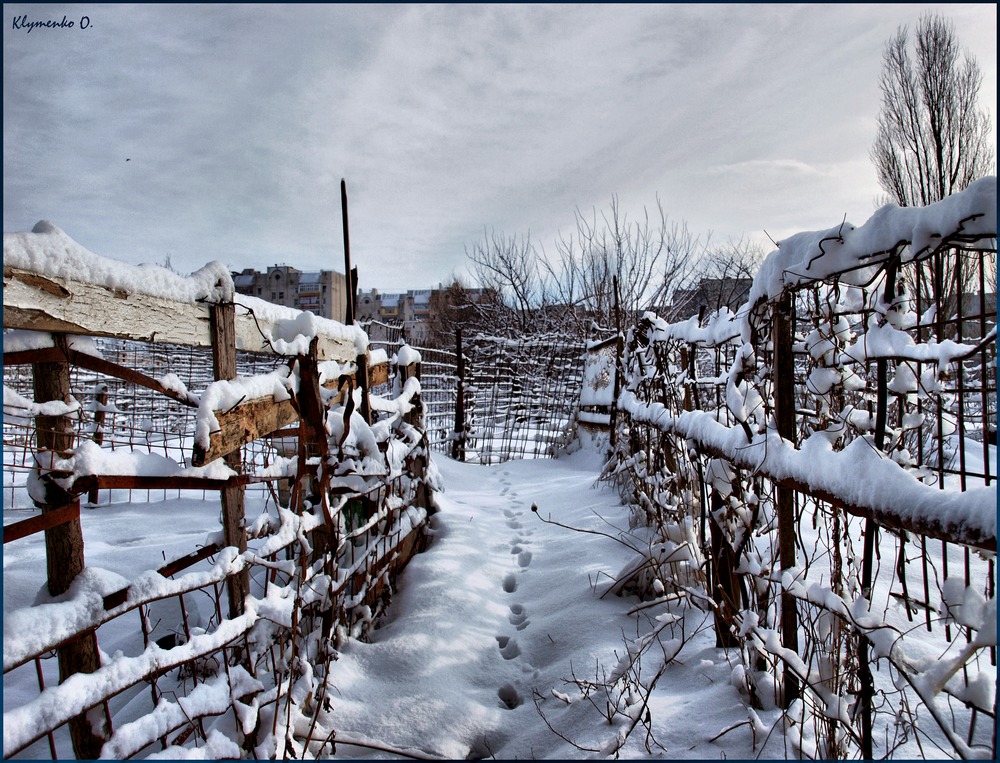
254, 419
42, 303
45, 521
106, 367
30, 357
120, 596
242, 425
378, 374
143, 482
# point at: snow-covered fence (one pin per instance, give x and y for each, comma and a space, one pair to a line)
519, 397
831, 450
237, 632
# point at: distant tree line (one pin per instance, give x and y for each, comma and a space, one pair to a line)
657, 264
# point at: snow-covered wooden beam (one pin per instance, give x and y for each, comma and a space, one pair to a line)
44, 303
260, 417
859, 479
63, 305
242, 425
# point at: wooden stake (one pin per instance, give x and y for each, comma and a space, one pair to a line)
349, 311
222, 320
64, 542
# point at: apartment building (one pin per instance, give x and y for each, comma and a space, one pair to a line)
321, 292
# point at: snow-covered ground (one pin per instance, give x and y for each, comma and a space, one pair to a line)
494, 623
487, 633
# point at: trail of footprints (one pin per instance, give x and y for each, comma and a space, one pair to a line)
518, 618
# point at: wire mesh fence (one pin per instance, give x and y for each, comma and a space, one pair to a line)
869, 422
520, 397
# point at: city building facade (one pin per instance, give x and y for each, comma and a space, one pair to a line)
323, 292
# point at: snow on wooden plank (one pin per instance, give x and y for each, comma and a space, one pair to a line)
260, 417
57, 304
244, 424
43, 303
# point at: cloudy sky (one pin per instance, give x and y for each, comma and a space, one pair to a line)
204, 132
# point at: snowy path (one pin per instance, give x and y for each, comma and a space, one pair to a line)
500, 606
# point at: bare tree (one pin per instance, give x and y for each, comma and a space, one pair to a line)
507, 266
649, 257
932, 139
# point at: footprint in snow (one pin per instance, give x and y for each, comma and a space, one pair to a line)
509, 696
518, 617
524, 558
515, 549
509, 583
513, 524
508, 647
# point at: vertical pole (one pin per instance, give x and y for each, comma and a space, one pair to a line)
349, 311
619, 361
222, 324
313, 443
363, 384
99, 417
64, 543
784, 414
458, 444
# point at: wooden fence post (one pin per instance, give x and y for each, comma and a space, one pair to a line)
363, 382
99, 416
725, 585
782, 336
313, 443
64, 543
458, 443
222, 322
349, 309
418, 465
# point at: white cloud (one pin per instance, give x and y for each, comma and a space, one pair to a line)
239, 122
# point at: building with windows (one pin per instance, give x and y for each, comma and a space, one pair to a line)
412, 310
323, 292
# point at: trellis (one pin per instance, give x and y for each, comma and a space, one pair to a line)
493, 399
283, 590
863, 641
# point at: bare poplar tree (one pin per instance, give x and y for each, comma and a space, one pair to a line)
932, 138
648, 256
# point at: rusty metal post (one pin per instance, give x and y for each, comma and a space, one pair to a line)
782, 336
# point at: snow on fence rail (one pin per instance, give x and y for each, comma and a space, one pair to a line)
188, 392
831, 450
